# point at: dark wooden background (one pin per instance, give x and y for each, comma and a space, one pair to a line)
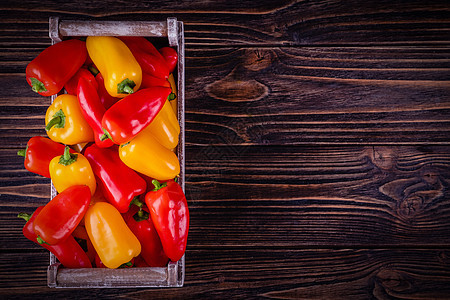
318, 147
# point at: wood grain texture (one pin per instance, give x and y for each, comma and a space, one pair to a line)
289, 96
293, 197
246, 22
317, 158
269, 273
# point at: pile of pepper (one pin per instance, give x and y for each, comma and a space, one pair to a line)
112, 131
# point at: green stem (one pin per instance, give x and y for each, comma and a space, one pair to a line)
22, 152
171, 96
126, 86
93, 70
141, 215
67, 158
37, 86
137, 202
105, 135
53, 122
158, 185
127, 89
58, 120
126, 265
41, 240
24, 216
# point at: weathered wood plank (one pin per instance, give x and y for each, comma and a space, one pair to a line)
246, 22
375, 95
271, 273
290, 196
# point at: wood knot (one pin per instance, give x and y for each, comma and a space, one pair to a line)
410, 206
414, 195
259, 59
234, 88
389, 282
384, 157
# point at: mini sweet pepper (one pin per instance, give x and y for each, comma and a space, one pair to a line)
71, 169
112, 239
65, 122
121, 72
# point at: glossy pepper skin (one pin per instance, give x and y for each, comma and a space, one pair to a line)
71, 169
140, 223
148, 57
149, 81
119, 183
146, 155
121, 72
72, 85
125, 119
165, 127
105, 98
170, 214
38, 154
68, 252
59, 217
65, 122
92, 110
173, 99
170, 56
54, 66
112, 239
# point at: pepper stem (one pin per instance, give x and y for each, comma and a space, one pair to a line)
137, 202
24, 216
22, 152
127, 89
41, 240
158, 185
67, 158
94, 71
141, 215
171, 96
126, 86
37, 86
58, 120
105, 135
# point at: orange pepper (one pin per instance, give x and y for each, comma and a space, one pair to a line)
112, 239
165, 127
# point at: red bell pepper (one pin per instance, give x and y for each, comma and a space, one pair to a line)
38, 154
119, 183
68, 252
170, 56
125, 119
140, 262
72, 85
148, 57
139, 221
83, 239
106, 99
59, 218
92, 109
149, 81
54, 66
170, 214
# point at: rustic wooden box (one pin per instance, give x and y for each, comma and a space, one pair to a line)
173, 274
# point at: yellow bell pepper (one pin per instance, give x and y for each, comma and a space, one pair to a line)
71, 169
121, 72
174, 101
165, 127
65, 122
146, 155
112, 239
